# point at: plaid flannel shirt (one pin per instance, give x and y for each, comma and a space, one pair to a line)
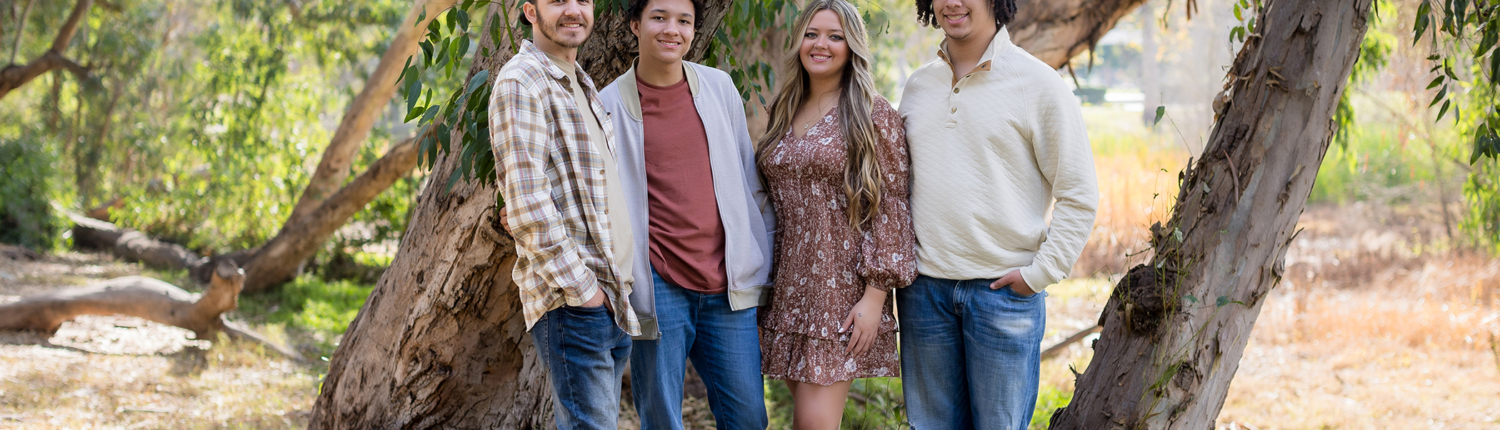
552, 178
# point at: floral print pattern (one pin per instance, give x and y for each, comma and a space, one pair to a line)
822, 264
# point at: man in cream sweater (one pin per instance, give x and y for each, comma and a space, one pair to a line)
996, 137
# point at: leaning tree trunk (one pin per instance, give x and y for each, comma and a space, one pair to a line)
1056, 30
1174, 330
441, 342
360, 116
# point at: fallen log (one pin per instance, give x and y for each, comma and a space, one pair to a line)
136, 246
1054, 350
145, 298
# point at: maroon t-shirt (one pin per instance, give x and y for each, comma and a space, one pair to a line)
687, 238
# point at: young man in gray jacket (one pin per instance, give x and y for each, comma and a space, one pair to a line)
688, 168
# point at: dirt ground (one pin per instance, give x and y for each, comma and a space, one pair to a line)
1372, 329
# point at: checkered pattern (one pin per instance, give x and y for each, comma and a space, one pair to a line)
552, 178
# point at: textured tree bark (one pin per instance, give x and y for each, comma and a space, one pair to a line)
360, 116
276, 262
1174, 330
140, 297
14, 76
441, 342
1056, 30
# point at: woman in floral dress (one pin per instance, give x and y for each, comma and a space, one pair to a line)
835, 163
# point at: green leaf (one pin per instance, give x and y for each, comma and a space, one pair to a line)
1424, 19
1439, 97
478, 79
462, 50
1238, 13
1221, 301
1190, 298
413, 92
415, 112
463, 19
1160, 112
1435, 82
406, 69
426, 52
1177, 235
1444, 109
442, 55
1495, 68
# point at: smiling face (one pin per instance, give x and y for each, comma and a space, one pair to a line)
565, 24
665, 29
961, 19
824, 52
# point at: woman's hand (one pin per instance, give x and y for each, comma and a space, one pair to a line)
863, 321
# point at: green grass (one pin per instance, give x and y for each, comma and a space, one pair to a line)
1389, 160
309, 307
1049, 399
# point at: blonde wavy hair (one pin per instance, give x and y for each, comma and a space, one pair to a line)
862, 183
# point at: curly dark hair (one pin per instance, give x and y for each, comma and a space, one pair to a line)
1005, 12
638, 8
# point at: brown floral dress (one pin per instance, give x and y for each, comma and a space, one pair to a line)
822, 265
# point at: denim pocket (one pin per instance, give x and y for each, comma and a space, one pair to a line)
1011, 292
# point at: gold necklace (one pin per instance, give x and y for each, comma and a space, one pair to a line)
822, 112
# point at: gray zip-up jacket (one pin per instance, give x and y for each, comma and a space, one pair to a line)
744, 208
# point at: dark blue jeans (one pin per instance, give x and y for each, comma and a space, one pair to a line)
970, 356
585, 355
724, 345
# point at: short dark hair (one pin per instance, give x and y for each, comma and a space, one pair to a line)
638, 8
1005, 12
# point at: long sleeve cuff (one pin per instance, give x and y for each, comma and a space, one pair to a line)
1037, 278
577, 297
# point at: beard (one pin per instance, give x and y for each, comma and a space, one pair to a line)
550, 31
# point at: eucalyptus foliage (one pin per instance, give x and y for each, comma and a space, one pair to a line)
451, 42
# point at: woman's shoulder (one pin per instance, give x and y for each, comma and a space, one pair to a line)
882, 109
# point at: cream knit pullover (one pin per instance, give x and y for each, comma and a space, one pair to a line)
989, 153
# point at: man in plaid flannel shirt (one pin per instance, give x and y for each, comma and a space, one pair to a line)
555, 148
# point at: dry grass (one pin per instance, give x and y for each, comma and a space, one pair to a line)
1378, 324
121, 372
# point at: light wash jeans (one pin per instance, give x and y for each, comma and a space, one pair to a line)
724, 345
585, 355
970, 356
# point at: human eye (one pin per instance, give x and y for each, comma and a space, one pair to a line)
809, 35
837, 38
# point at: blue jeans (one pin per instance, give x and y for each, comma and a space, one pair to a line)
970, 356
724, 345
584, 353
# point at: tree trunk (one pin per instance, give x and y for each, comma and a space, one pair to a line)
360, 116
13, 76
1150, 73
1174, 330
441, 342
1056, 30
276, 261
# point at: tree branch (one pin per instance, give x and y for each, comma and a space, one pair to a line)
20, 31
70, 27
277, 260
359, 117
14, 76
